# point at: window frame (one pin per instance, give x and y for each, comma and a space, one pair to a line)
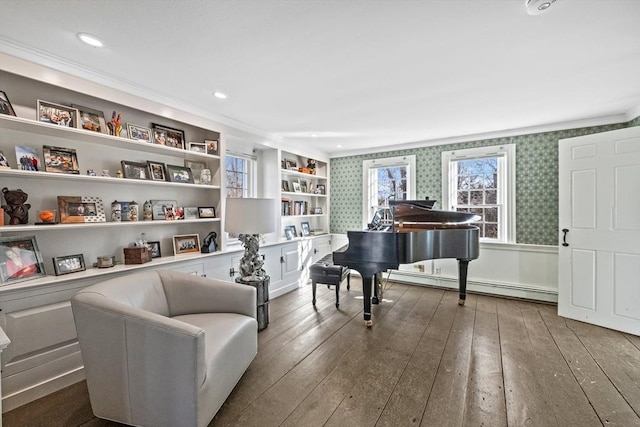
506, 197
251, 172
369, 165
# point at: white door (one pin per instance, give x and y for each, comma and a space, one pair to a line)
599, 255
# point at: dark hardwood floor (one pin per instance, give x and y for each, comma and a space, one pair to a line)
426, 361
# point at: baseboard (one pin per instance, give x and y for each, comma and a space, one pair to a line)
514, 290
283, 290
26, 395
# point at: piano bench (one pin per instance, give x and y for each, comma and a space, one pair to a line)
324, 271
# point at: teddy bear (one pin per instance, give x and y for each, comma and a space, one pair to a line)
16, 207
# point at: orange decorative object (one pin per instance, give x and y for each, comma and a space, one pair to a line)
47, 216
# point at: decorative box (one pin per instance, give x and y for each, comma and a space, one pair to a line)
137, 255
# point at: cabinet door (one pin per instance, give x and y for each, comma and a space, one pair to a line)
321, 247
291, 261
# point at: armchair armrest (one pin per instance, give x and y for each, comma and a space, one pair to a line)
189, 294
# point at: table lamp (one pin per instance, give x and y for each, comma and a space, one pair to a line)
249, 218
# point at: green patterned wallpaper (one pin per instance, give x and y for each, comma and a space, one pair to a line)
536, 181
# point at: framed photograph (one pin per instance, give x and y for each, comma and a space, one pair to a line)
306, 229
173, 137
288, 233
179, 174
133, 170
198, 147
56, 114
290, 164
74, 209
68, 264
139, 133
196, 169
186, 244
296, 187
190, 212
316, 211
5, 105
60, 159
155, 249
27, 158
303, 186
293, 230
211, 146
90, 119
4, 162
285, 185
321, 189
20, 259
159, 207
206, 212
156, 171
159, 136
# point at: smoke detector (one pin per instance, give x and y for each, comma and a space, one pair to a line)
536, 7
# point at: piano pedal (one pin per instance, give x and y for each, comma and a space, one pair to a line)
368, 323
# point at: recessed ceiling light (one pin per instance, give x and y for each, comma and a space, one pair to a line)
536, 7
90, 39
314, 135
338, 146
220, 95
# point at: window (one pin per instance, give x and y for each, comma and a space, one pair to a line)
239, 171
482, 181
387, 179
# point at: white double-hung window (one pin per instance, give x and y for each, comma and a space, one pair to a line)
392, 178
482, 181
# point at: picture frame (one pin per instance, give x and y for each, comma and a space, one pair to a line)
4, 162
155, 249
180, 174
60, 160
159, 136
174, 137
27, 158
288, 233
159, 207
134, 170
316, 211
68, 264
5, 105
57, 114
306, 229
206, 212
77, 209
186, 244
211, 146
196, 169
290, 164
91, 120
321, 189
20, 259
139, 133
303, 186
285, 185
198, 147
156, 171
293, 229
296, 187
190, 212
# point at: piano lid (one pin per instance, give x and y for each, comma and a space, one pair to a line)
419, 211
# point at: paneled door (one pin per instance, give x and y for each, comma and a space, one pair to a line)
599, 256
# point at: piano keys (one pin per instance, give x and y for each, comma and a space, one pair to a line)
418, 233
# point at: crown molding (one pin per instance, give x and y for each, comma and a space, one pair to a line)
20, 59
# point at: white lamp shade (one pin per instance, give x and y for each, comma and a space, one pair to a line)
250, 216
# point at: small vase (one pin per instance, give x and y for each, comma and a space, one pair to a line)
205, 177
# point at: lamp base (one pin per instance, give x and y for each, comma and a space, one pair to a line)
262, 299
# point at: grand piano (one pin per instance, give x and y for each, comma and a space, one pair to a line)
415, 232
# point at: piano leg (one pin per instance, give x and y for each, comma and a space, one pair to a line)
377, 289
463, 266
366, 291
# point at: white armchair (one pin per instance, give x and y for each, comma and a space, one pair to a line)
163, 348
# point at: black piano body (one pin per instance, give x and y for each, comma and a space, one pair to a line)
418, 233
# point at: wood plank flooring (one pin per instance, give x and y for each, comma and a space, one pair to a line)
425, 362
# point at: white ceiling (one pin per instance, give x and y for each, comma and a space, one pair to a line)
360, 74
